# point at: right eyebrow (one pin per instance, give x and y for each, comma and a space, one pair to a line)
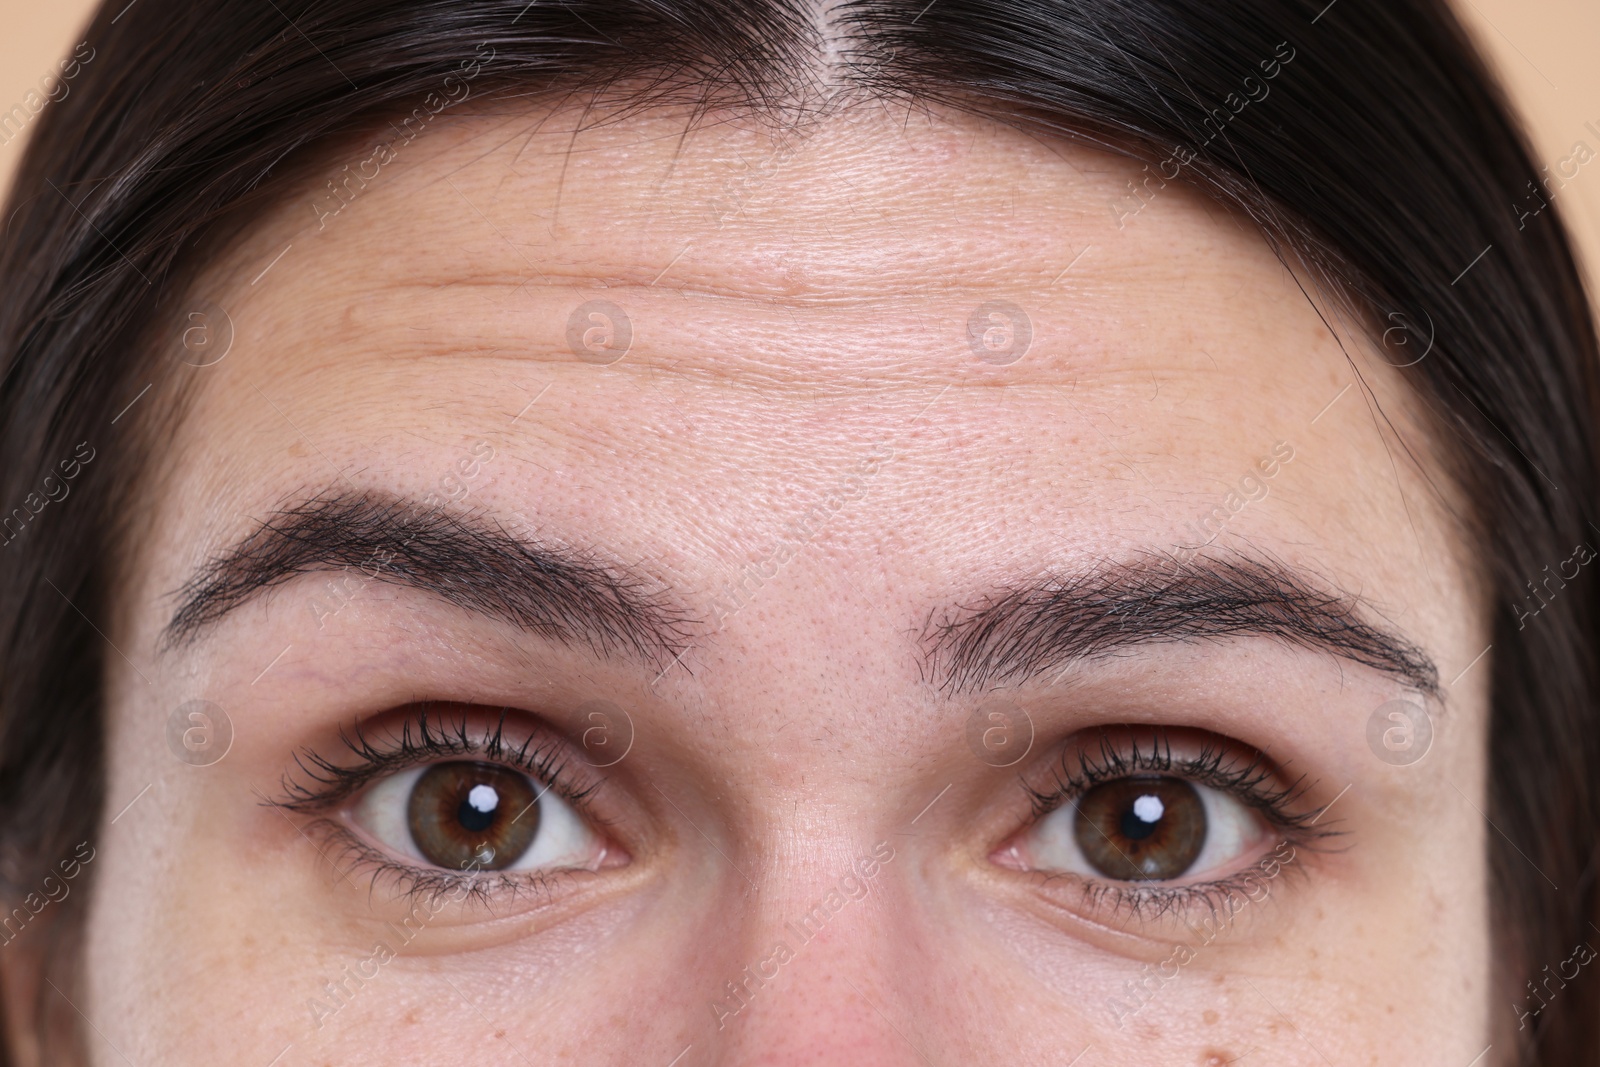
467, 560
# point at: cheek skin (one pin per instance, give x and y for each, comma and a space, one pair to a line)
786, 744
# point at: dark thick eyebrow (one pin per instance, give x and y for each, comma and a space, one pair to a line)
469, 560
1017, 634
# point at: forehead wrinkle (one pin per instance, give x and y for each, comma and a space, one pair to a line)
749, 339
784, 357
804, 383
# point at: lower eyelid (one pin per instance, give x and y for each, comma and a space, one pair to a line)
1225, 897
1146, 919
428, 888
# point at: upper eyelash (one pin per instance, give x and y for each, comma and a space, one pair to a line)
423, 737
1251, 781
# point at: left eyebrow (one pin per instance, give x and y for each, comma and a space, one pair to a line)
1016, 634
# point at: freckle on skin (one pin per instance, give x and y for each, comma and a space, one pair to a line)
1210, 1017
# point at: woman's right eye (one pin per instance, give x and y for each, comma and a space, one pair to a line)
476, 815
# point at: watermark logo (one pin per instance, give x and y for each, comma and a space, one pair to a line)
999, 332
199, 733
1397, 339
207, 335
52, 489
53, 890
607, 735
1400, 732
1000, 733
599, 332
1543, 993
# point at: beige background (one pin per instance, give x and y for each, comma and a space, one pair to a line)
1544, 49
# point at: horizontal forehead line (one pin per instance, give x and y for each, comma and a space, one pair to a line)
987, 336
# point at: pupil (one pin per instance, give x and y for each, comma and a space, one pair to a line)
477, 811
1142, 819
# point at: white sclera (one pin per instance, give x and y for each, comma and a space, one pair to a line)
564, 840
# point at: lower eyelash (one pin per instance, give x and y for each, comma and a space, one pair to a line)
427, 886
1146, 903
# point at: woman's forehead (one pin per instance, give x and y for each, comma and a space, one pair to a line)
871, 253
713, 327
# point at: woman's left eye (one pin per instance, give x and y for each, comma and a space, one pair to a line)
473, 814
1142, 828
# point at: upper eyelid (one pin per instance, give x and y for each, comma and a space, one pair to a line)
1072, 775
541, 756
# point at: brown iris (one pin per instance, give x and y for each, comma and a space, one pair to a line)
1141, 828
469, 814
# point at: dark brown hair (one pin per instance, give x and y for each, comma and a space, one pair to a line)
1364, 137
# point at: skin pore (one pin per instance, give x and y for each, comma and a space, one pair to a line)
796, 505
